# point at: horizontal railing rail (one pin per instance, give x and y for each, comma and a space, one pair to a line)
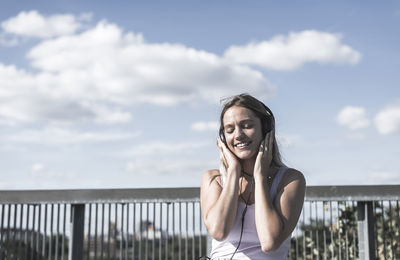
314, 193
99, 195
341, 222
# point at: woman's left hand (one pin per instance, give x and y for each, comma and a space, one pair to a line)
264, 156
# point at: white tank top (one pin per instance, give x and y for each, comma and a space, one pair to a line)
250, 247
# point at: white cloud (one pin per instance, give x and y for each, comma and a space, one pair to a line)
173, 167
294, 50
202, 126
37, 167
353, 117
382, 177
34, 24
56, 135
286, 140
387, 121
163, 147
104, 63
97, 74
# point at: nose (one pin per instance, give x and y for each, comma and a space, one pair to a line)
239, 134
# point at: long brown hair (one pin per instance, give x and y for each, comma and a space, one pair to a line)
262, 112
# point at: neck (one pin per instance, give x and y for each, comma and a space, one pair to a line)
248, 165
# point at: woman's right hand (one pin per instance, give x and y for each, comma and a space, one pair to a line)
229, 161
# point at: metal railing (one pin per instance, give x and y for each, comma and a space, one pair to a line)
337, 222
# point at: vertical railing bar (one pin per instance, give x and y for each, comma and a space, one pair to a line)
134, 230
355, 248
147, 232
12, 236
51, 230
26, 232
346, 235
127, 231
200, 231
122, 231
115, 231
193, 231
304, 232
398, 217
375, 204
14, 231
45, 231
32, 235
161, 232
58, 230
167, 240
338, 225
383, 230
21, 216
8, 229
331, 231
96, 216
391, 228
103, 209
311, 231
186, 230
38, 236
180, 231
154, 232
88, 232
2, 230
64, 233
324, 228
173, 230
317, 229
109, 232
140, 229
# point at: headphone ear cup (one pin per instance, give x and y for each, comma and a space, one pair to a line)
222, 135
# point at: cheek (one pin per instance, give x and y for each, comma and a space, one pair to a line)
229, 140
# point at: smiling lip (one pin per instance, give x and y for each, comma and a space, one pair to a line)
242, 145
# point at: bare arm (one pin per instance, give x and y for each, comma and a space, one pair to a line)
219, 206
275, 220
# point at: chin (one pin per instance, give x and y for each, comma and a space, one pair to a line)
245, 155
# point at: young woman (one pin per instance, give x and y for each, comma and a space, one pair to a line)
251, 205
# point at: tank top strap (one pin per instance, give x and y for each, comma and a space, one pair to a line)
276, 181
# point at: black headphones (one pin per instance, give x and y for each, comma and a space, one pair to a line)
267, 121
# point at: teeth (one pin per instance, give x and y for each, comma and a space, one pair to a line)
242, 144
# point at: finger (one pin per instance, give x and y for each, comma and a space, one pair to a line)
226, 151
221, 153
260, 154
223, 162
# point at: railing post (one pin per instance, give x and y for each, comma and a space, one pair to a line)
366, 234
77, 228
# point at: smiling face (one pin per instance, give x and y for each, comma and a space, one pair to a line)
243, 133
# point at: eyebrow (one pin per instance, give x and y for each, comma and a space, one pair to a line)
241, 122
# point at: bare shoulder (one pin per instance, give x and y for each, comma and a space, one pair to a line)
293, 177
294, 174
210, 177
210, 189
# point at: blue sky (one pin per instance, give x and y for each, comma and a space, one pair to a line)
101, 94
